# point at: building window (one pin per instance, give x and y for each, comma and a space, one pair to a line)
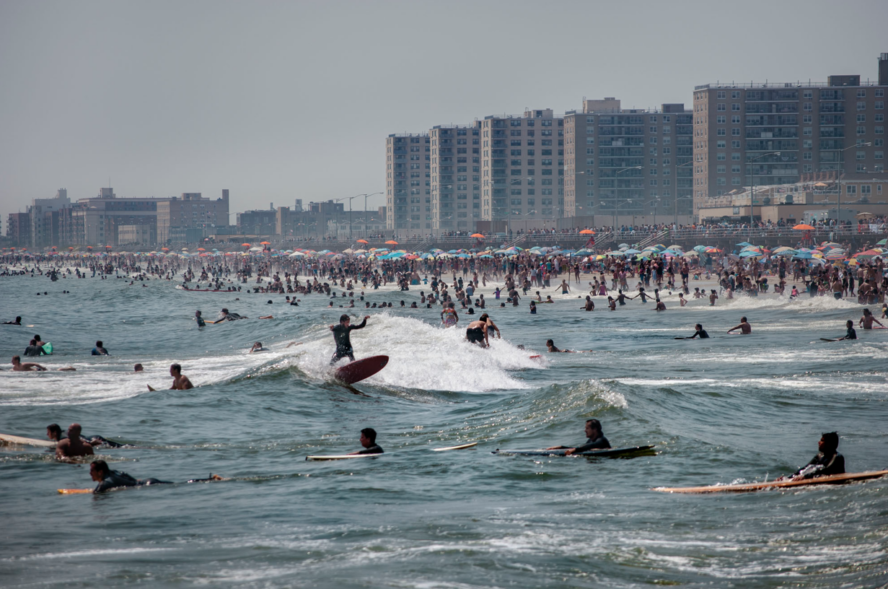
807, 131
807, 156
720, 119
720, 156
720, 107
807, 107
807, 143
878, 130
720, 95
807, 94
735, 132
861, 93
735, 119
719, 169
735, 94
879, 155
721, 132
735, 157
720, 181
807, 119
862, 130
735, 181
861, 118
735, 144
879, 118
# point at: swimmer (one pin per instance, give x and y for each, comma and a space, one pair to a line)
744, 327
476, 333
54, 433
712, 298
867, 320
257, 347
74, 446
180, 381
18, 321
138, 368
19, 366
589, 306
595, 440
368, 441
850, 333
199, 319
342, 337
661, 306
550, 346
682, 301
99, 350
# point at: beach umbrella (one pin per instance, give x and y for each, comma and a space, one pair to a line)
675, 247
391, 242
692, 254
264, 243
868, 254
750, 254
882, 242
803, 227
622, 245
803, 255
363, 241
478, 235
200, 249
700, 248
587, 232
246, 244
631, 251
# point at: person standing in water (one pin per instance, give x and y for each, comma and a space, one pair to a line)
867, 320
342, 336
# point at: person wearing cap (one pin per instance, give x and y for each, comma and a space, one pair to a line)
826, 463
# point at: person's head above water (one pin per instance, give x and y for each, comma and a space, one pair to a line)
743, 320
829, 442
368, 437
594, 425
344, 319
74, 431
139, 367
849, 324
54, 431
175, 369
698, 327
99, 344
98, 470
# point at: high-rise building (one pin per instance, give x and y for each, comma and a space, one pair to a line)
190, 215
408, 184
764, 134
627, 166
456, 177
45, 219
522, 170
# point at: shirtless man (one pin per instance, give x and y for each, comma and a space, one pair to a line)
19, 366
868, 319
744, 327
180, 381
74, 446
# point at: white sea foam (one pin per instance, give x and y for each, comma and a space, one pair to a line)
426, 357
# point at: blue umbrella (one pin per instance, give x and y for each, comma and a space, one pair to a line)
744, 244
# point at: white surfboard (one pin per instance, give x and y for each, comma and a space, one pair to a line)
8, 440
341, 456
463, 447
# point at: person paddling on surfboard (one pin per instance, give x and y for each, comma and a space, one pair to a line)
368, 441
826, 463
850, 334
19, 366
54, 433
595, 441
700, 332
109, 479
341, 334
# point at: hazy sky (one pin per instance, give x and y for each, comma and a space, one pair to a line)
285, 100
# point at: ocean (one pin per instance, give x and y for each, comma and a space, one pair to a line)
726, 410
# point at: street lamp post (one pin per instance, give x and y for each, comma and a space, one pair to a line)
675, 204
614, 226
752, 187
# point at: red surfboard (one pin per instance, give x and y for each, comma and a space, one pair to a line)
360, 369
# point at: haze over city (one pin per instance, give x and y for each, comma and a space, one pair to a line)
283, 101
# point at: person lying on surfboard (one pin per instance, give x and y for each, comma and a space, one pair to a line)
595, 441
341, 334
19, 366
826, 463
550, 346
115, 479
368, 441
55, 434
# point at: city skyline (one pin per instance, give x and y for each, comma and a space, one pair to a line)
278, 103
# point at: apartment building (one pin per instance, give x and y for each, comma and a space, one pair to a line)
408, 184
522, 170
190, 211
765, 134
628, 166
455, 177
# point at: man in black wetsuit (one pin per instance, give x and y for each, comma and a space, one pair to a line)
700, 332
827, 462
114, 479
595, 441
341, 333
368, 441
851, 333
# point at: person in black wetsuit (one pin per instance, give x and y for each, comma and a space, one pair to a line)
341, 333
595, 441
827, 462
700, 332
368, 441
33, 349
851, 333
114, 479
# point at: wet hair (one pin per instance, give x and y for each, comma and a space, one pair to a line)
550, 342
16, 359
831, 440
270, 302
698, 326
866, 312
849, 323
176, 367
37, 337
343, 318
100, 466
484, 317
54, 429
370, 434
33, 342
743, 319
596, 425
99, 344
138, 368
224, 310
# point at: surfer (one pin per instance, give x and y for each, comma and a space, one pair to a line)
850, 334
99, 350
54, 433
700, 332
18, 321
342, 336
138, 368
19, 366
257, 347
827, 462
368, 441
33, 349
550, 346
867, 320
595, 441
74, 445
744, 327
199, 319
